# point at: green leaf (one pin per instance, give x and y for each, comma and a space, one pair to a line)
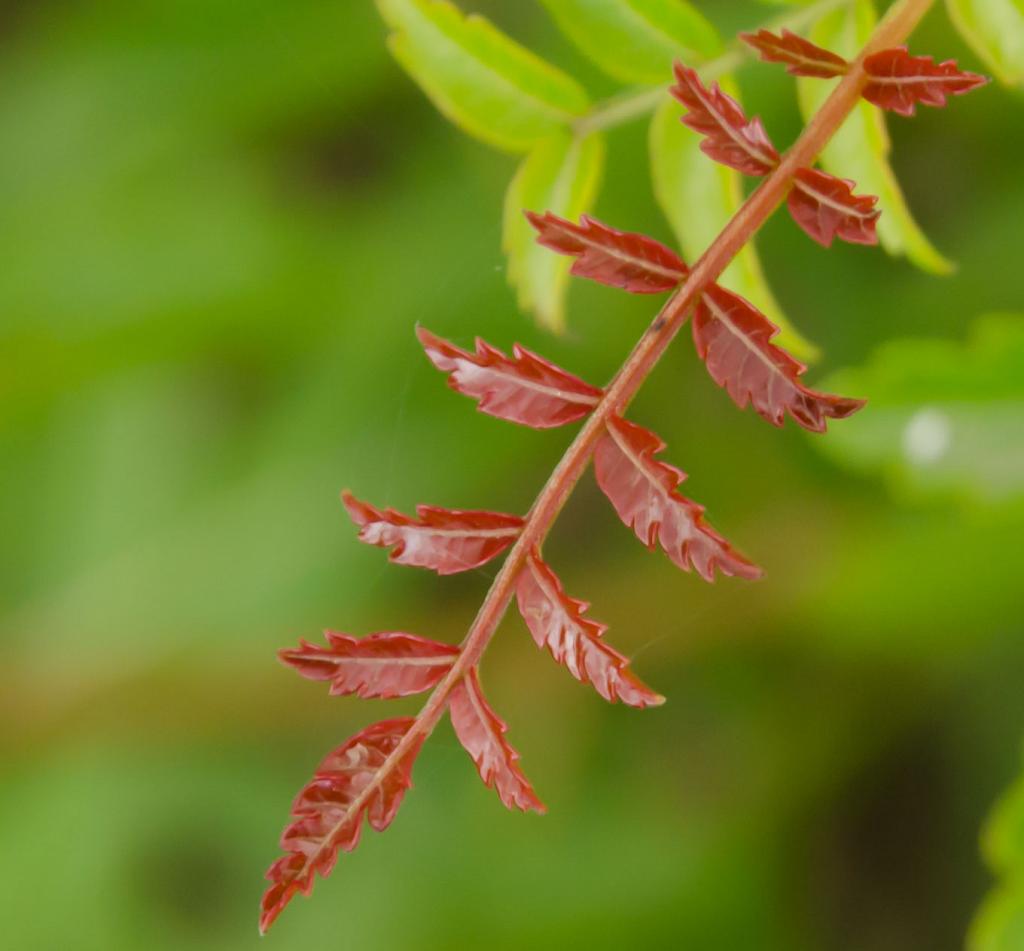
860, 149
484, 82
1003, 839
698, 196
999, 925
637, 41
562, 175
943, 417
994, 29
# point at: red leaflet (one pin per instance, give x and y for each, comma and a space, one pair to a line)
898, 81
385, 665
734, 339
642, 489
634, 262
826, 208
802, 57
482, 733
524, 389
445, 540
557, 622
328, 813
731, 138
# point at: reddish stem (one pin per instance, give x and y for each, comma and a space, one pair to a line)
894, 28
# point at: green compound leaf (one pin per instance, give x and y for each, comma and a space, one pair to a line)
562, 174
637, 41
484, 82
944, 418
698, 196
999, 925
860, 149
994, 29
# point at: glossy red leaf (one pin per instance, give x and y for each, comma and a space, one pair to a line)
444, 540
642, 490
634, 262
350, 784
898, 81
557, 622
524, 389
802, 57
826, 208
482, 733
385, 665
730, 137
734, 339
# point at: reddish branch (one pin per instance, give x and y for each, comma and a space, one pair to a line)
367, 776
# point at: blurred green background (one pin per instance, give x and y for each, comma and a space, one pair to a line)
220, 222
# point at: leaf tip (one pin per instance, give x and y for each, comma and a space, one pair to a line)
274, 901
753, 572
940, 265
535, 218
846, 407
428, 341
358, 511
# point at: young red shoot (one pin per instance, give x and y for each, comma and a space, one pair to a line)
366, 778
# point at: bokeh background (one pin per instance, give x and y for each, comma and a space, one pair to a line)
220, 222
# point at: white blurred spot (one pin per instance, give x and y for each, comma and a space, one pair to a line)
926, 437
